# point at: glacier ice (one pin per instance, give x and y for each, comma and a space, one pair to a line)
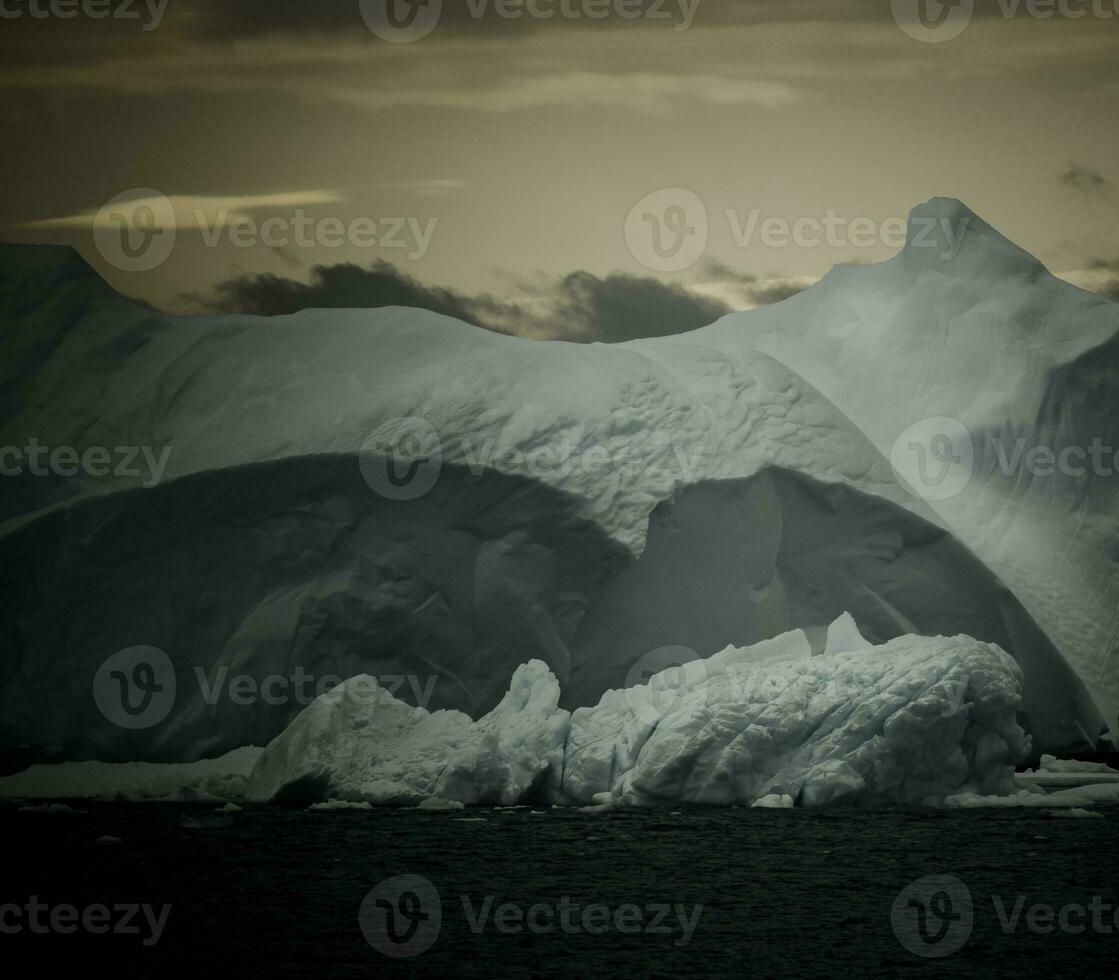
984, 335
592, 504
134, 782
912, 721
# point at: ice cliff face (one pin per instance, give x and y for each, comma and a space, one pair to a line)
912, 721
965, 327
580, 506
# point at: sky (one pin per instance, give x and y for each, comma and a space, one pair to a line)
572, 169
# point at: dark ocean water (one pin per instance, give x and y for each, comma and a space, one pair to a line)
274, 892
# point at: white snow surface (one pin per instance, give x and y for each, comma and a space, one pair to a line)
912, 721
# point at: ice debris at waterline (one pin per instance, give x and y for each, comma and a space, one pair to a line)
911, 721
1055, 783
136, 782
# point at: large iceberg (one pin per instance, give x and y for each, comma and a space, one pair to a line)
912, 721
967, 340
576, 505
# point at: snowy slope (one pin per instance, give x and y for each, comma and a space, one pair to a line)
965, 325
585, 506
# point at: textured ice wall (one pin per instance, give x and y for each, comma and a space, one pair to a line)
912, 721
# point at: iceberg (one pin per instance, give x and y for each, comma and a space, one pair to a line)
577, 506
912, 721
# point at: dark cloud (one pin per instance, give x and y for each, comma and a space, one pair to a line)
622, 307
349, 286
714, 269
756, 292
1084, 180
580, 307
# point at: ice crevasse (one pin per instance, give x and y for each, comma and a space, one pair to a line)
912, 721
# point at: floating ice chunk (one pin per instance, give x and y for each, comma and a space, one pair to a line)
1075, 812
439, 803
911, 721
209, 779
1051, 763
229, 808
54, 809
340, 805
775, 801
1066, 779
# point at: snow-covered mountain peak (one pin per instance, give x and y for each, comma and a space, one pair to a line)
946, 234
